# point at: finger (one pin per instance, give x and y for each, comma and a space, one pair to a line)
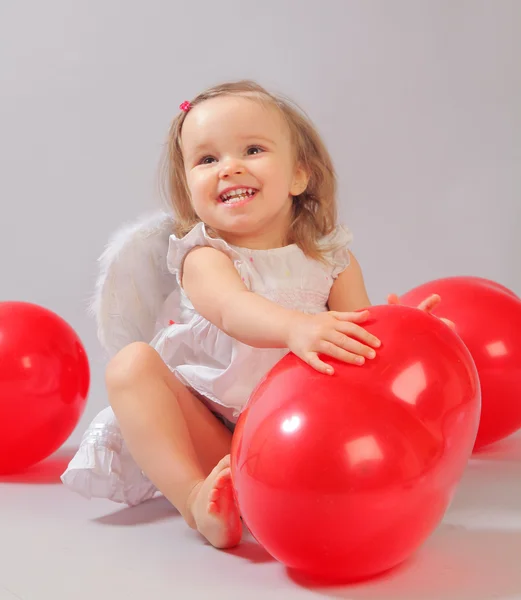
339, 353
429, 303
347, 343
355, 331
393, 299
352, 317
313, 361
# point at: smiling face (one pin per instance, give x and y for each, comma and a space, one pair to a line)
240, 170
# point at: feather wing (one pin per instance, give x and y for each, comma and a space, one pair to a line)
133, 282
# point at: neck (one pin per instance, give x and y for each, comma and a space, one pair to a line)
266, 240
272, 233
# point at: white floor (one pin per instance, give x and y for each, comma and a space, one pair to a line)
56, 545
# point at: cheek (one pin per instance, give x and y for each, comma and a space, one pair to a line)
275, 174
284, 180
199, 184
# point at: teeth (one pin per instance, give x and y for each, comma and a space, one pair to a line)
238, 194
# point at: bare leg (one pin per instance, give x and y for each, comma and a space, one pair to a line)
178, 443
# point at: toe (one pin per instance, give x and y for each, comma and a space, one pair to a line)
224, 478
224, 463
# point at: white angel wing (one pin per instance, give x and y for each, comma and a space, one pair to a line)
133, 282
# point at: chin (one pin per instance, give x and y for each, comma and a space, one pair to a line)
245, 226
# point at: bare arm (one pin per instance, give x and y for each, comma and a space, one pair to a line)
348, 292
218, 294
215, 289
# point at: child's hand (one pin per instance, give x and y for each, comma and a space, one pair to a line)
336, 334
427, 305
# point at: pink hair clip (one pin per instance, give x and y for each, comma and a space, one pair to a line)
185, 106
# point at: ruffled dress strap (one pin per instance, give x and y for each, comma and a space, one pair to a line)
336, 244
178, 248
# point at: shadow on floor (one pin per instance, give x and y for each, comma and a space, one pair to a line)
250, 550
455, 564
159, 509
46, 472
153, 510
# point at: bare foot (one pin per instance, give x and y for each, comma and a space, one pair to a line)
213, 507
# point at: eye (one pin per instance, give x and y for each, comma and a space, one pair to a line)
254, 150
207, 160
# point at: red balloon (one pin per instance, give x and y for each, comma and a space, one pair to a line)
344, 476
488, 318
487, 283
44, 381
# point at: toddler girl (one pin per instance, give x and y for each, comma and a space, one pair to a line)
263, 268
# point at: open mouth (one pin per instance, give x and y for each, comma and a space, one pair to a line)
238, 195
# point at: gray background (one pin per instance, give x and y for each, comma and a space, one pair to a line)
419, 102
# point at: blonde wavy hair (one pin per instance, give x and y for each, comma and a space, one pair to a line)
314, 211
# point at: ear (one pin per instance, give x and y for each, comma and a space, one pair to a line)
300, 181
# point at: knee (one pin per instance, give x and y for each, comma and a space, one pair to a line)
130, 365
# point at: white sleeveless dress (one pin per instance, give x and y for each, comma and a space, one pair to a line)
217, 367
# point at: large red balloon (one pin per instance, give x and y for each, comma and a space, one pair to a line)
482, 281
44, 381
488, 319
344, 476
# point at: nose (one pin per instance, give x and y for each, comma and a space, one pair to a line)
231, 167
